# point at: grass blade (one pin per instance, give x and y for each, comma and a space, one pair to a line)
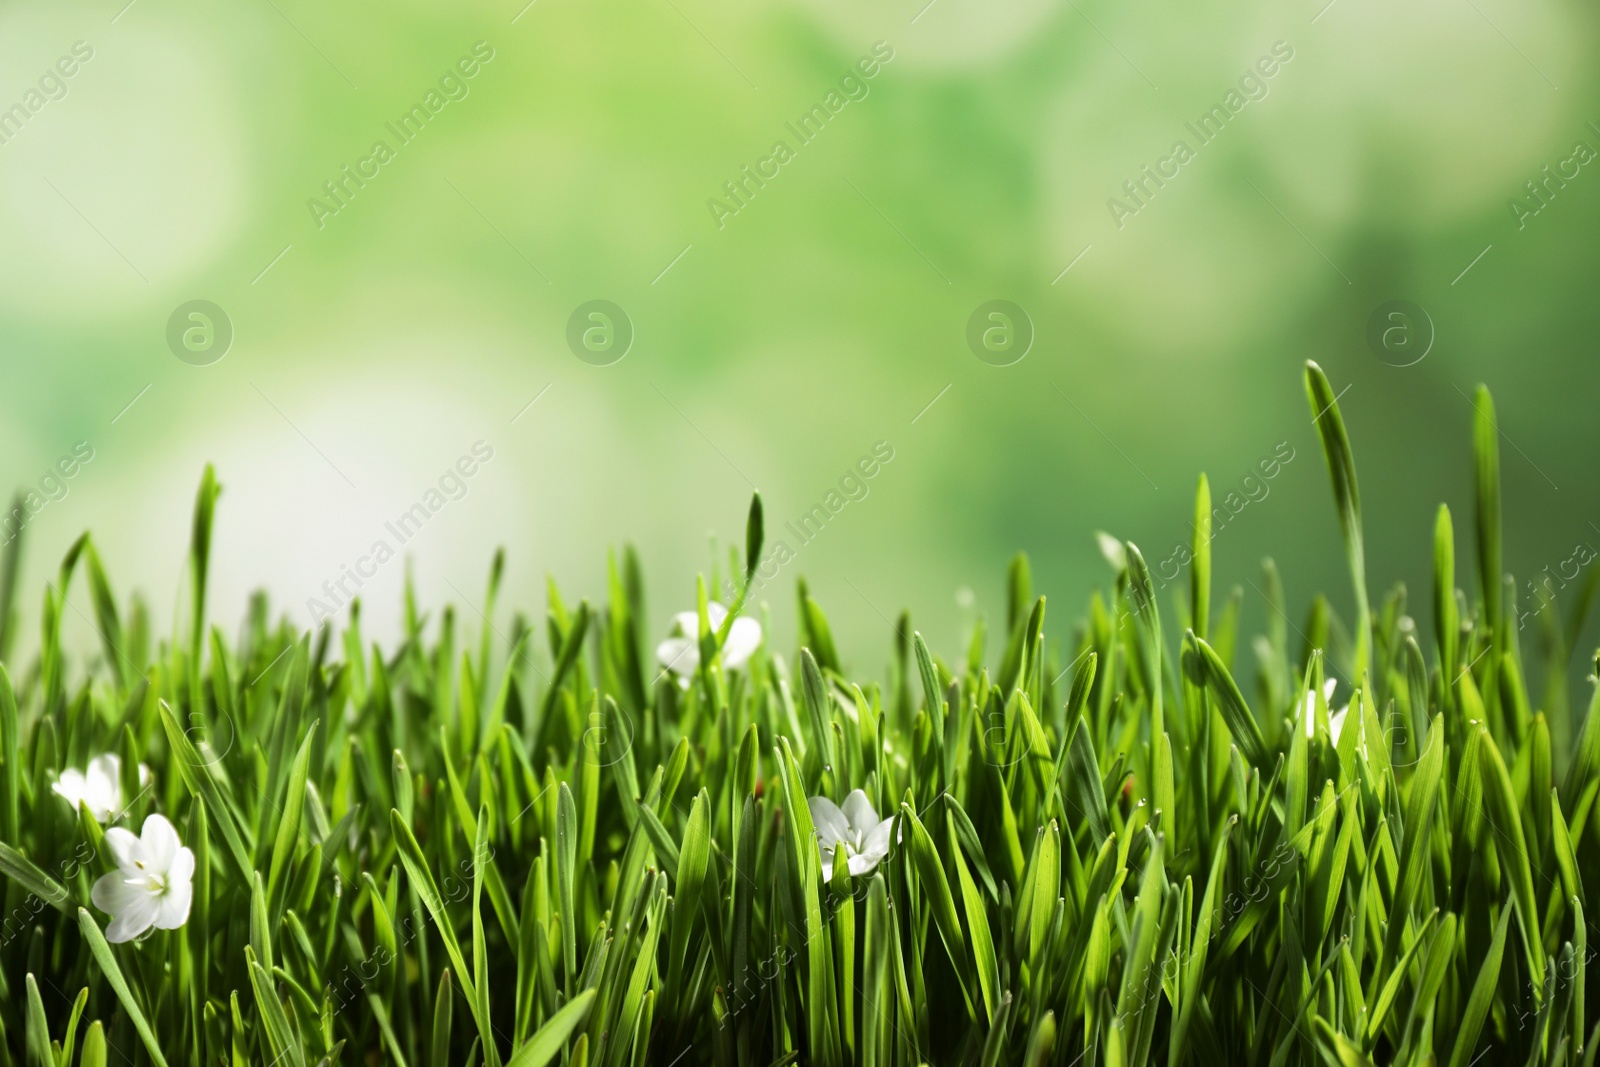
551, 1038
1481, 997
1346, 497
1501, 814
1486, 486
113, 974
1206, 668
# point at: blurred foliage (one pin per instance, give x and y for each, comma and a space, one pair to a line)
822, 317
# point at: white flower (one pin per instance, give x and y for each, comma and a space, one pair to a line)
1335, 718
100, 787
856, 827
680, 652
152, 885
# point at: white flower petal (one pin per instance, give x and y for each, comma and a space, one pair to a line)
161, 844
1336, 722
744, 637
687, 623
865, 862
862, 863
70, 786
182, 869
172, 910
133, 920
859, 812
877, 839
105, 771
126, 849
114, 893
832, 826
679, 655
174, 904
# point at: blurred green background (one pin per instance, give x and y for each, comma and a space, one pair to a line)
775, 347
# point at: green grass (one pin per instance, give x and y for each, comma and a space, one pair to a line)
1118, 846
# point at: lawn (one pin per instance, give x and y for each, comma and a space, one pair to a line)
1136, 839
